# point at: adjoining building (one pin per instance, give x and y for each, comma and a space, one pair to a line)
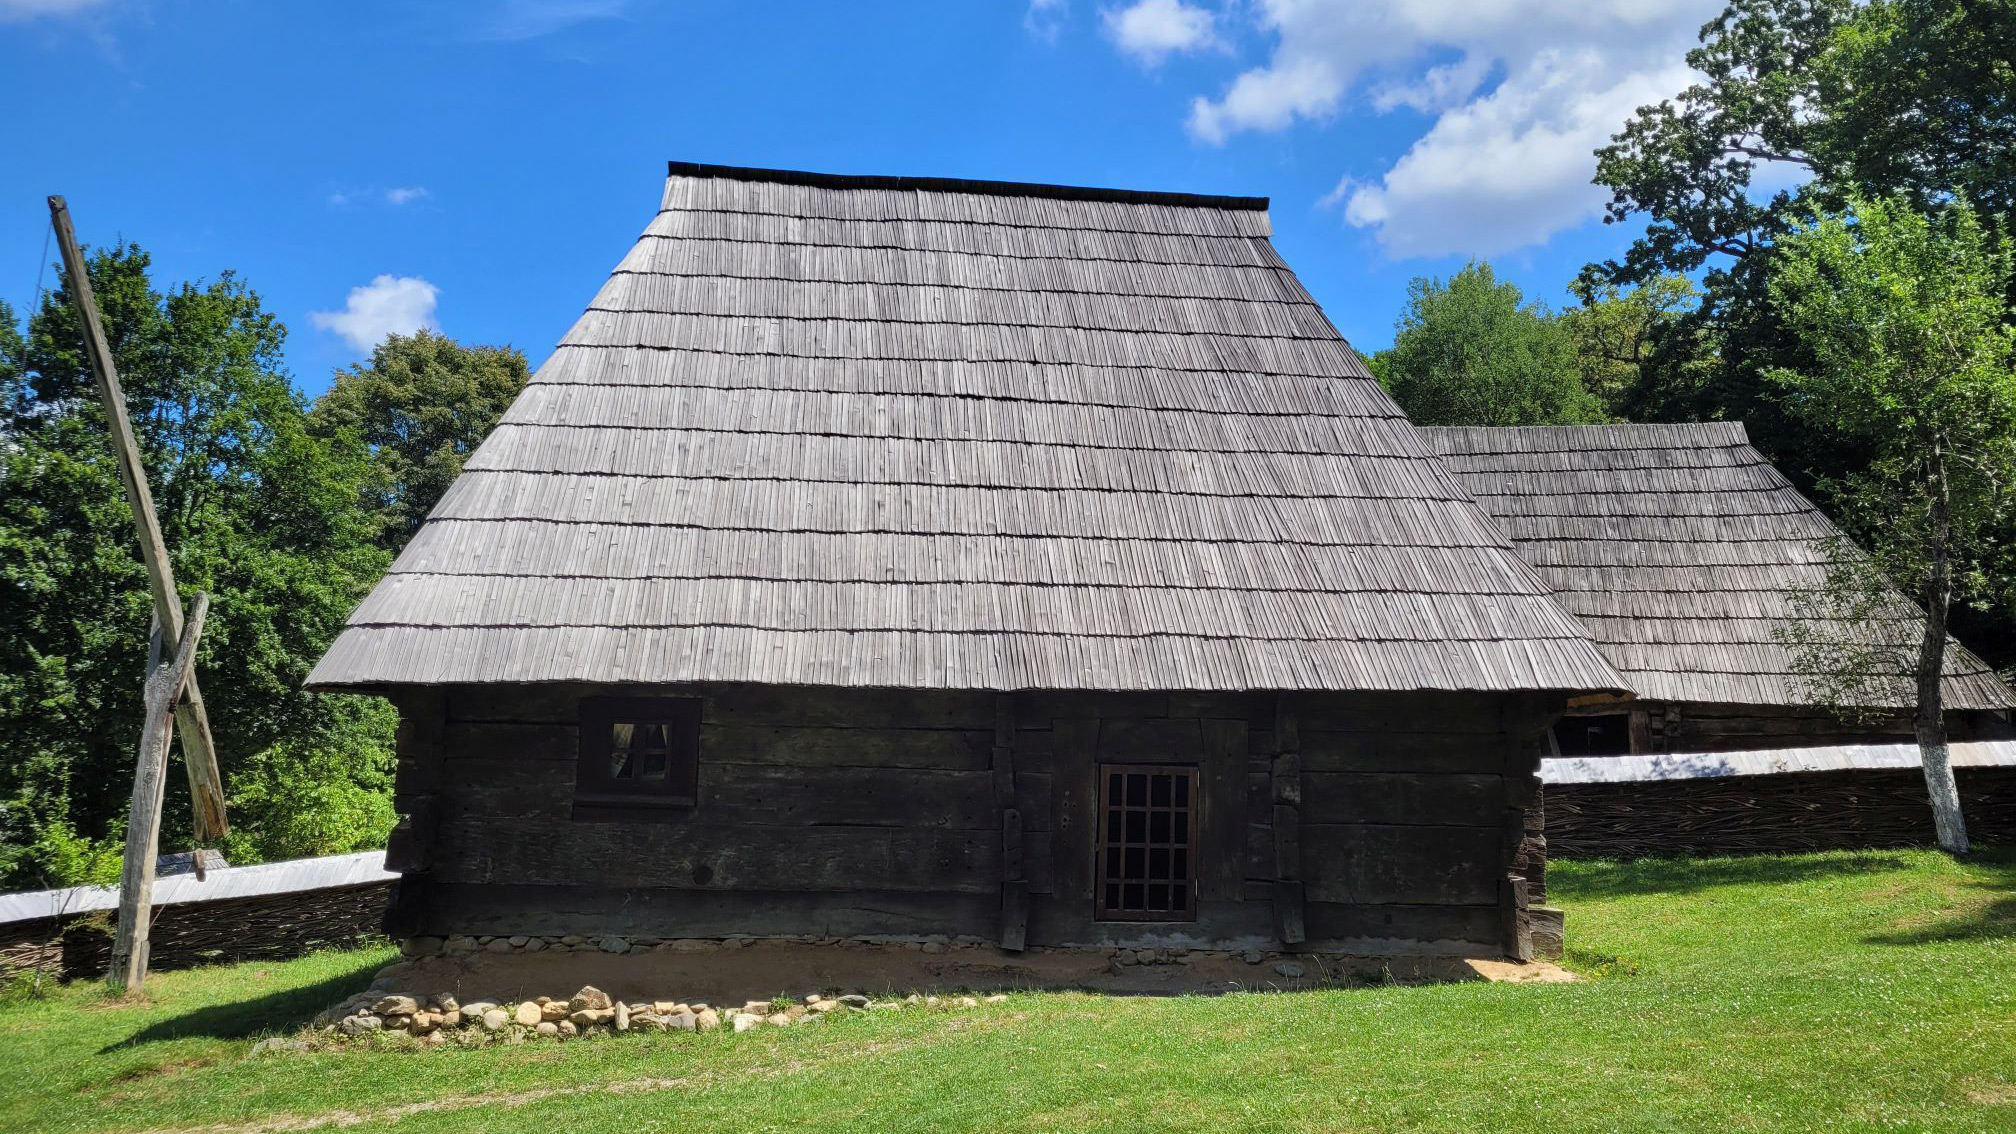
1677, 547
883, 556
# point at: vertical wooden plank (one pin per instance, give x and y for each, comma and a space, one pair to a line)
1074, 807
1222, 868
128, 969
422, 748
1287, 775
199, 754
1641, 731
1014, 931
1518, 922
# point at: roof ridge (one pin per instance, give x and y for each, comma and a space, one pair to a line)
963, 185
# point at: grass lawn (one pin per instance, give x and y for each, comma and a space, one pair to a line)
1841, 992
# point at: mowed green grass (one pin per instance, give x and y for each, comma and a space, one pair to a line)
1839, 992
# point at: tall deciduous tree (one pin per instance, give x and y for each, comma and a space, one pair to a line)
1629, 343
255, 509
421, 405
1472, 351
1914, 359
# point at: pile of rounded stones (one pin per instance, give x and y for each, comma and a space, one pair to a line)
435, 1019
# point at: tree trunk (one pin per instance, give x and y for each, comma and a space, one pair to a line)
1930, 723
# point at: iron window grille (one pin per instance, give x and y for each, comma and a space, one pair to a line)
1147, 843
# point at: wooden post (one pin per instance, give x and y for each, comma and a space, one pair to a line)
1287, 793
143, 824
1014, 930
206, 782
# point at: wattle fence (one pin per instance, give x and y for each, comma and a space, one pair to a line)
236, 913
1781, 800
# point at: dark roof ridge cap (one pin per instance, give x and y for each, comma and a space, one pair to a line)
1724, 424
962, 185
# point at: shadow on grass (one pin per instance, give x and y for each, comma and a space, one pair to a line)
281, 1011
1990, 919
1610, 878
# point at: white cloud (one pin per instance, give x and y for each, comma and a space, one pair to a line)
11, 10
407, 195
518, 20
388, 305
1152, 30
1522, 92
29, 9
1044, 18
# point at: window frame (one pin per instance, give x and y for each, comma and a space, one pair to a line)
1101, 912
1554, 736
599, 794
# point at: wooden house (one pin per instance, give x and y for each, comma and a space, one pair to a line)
1677, 547
885, 556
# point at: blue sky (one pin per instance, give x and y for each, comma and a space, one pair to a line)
487, 162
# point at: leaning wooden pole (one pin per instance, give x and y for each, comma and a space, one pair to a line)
206, 782
165, 683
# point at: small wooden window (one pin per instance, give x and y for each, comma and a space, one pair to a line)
1147, 843
639, 752
1605, 735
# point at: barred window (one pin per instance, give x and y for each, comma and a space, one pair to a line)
1147, 842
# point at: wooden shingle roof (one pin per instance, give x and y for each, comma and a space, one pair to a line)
910, 433
1675, 545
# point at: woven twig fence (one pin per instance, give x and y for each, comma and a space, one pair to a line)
268, 926
1769, 813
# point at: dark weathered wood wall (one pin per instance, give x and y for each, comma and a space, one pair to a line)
1669, 726
1386, 823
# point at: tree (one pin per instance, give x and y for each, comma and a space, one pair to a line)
1472, 351
266, 516
1628, 345
1915, 359
421, 405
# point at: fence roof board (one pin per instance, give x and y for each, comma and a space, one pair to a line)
1677, 546
924, 433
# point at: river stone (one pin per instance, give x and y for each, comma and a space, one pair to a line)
494, 1019
614, 945
1289, 969
854, 1000
589, 998
452, 1018
589, 1017
620, 1016
529, 1013
744, 1022
554, 1010
358, 1025
706, 1019
396, 1006
547, 1028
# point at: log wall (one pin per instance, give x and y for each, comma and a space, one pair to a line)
1384, 823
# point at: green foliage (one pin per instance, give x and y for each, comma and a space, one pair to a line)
257, 510
1802, 106
328, 791
1472, 351
421, 405
1915, 361
1625, 339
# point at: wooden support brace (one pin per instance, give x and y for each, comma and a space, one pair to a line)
143, 825
1014, 932
199, 753
1287, 785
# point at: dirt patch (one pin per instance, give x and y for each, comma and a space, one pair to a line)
2003, 1094
290, 1123
762, 970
